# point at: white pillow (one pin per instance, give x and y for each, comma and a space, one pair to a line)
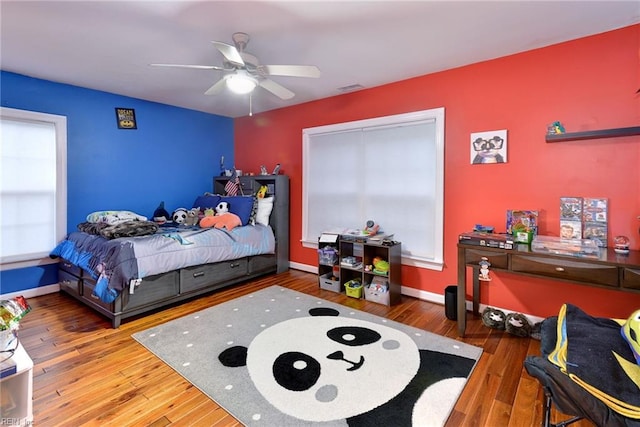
265, 206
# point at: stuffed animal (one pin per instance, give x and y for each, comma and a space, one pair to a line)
631, 334
493, 318
160, 215
222, 219
262, 192
179, 216
192, 217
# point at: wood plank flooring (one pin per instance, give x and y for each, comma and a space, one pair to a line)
88, 374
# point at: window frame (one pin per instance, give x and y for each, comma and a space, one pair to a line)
435, 114
60, 124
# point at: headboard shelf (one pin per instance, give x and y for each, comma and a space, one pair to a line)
277, 186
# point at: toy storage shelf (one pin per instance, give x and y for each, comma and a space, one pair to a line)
594, 134
367, 252
16, 391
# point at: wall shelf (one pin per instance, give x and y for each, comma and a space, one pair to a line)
594, 134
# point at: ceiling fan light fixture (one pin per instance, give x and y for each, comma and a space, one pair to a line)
241, 83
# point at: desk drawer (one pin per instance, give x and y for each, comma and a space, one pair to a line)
566, 269
631, 278
497, 259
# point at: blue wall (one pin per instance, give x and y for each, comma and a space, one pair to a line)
172, 156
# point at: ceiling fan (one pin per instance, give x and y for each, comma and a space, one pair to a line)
245, 71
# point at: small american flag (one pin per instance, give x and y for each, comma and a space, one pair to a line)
231, 187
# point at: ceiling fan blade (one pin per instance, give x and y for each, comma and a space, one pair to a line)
200, 67
229, 52
216, 88
276, 89
290, 70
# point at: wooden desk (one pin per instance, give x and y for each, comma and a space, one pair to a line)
610, 271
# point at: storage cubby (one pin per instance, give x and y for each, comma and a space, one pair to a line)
16, 391
355, 257
328, 258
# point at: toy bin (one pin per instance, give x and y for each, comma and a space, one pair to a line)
353, 288
327, 255
327, 283
375, 294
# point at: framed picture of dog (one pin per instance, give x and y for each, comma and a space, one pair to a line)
488, 147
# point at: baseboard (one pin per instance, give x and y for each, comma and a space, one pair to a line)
303, 267
33, 292
422, 295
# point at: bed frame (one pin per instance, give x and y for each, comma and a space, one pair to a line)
160, 290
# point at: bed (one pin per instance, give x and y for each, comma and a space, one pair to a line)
127, 276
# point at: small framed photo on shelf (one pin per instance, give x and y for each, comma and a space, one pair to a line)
126, 118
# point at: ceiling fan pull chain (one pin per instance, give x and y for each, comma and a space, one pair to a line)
250, 104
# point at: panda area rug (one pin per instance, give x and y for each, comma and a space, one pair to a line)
279, 357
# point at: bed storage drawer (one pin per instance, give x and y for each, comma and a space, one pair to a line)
587, 272
88, 285
201, 276
69, 268
69, 282
261, 263
152, 289
631, 278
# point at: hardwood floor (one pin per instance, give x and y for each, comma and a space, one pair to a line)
88, 374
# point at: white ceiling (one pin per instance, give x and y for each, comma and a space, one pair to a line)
108, 45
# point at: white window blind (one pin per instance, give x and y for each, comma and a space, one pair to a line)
388, 169
32, 185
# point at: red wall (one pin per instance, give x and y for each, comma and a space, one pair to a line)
587, 84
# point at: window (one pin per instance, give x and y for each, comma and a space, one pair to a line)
33, 188
388, 169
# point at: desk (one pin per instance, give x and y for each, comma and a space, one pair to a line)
610, 271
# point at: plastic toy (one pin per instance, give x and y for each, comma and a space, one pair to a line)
484, 269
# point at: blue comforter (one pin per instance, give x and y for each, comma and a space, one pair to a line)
115, 263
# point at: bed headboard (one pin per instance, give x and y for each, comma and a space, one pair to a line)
278, 186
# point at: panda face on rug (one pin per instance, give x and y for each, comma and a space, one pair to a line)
325, 368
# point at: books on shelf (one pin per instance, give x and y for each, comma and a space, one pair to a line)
8, 367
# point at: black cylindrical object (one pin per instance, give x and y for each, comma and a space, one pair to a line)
451, 302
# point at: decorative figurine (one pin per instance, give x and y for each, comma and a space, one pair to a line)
484, 269
555, 128
621, 245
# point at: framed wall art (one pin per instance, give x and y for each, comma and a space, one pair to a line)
488, 147
126, 118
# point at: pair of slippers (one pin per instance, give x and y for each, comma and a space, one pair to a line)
513, 323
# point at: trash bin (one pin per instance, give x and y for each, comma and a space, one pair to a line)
451, 302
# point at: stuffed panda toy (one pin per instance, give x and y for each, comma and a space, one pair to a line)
179, 216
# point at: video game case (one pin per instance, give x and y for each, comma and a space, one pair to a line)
570, 229
595, 210
596, 231
571, 208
